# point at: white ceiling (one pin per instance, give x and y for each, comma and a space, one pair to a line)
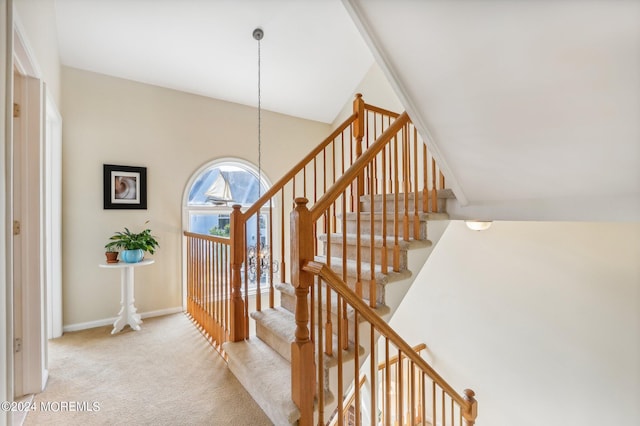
530, 103
312, 54
531, 107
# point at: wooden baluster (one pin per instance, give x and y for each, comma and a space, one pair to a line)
358, 134
358, 241
384, 263
423, 399
396, 212
356, 366
223, 296
434, 187
412, 392
433, 402
372, 240
238, 314
208, 285
304, 182
387, 380
283, 276
453, 418
343, 326
320, 351
416, 190
189, 272
425, 180
406, 173
303, 378
340, 368
270, 265
246, 279
258, 261
328, 346
315, 181
199, 283
471, 411
400, 389
373, 374
444, 410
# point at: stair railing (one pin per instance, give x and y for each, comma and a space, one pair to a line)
208, 279
349, 404
416, 392
391, 167
263, 261
309, 178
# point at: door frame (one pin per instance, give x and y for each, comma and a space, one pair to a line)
29, 179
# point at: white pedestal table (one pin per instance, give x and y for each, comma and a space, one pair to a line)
127, 314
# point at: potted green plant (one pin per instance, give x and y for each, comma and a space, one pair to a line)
133, 245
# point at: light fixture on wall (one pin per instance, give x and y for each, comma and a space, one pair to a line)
478, 225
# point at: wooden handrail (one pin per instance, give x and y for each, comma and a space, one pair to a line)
299, 166
356, 168
330, 277
382, 111
212, 238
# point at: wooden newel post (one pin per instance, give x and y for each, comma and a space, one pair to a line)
471, 412
237, 314
303, 377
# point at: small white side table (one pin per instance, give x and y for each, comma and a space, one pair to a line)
127, 314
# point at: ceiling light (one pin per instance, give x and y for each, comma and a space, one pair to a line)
478, 225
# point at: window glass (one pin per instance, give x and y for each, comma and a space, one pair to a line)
209, 205
208, 188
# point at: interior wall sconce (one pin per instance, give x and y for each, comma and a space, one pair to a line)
478, 225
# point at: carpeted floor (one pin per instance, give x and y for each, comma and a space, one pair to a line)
164, 374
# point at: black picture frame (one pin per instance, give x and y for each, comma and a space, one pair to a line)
125, 187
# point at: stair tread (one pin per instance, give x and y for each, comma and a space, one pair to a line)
441, 193
266, 376
365, 241
390, 276
281, 322
286, 288
378, 215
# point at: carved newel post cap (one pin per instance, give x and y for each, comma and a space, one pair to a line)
301, 201
469, 394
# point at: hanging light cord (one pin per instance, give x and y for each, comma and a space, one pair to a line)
258, 34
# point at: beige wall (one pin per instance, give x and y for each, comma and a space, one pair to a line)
115, 121
37, 18
542, 320
375, 90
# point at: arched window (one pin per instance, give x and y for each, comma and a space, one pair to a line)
214, 189
208, 202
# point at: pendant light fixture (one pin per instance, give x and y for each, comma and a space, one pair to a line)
258, 34
258, 256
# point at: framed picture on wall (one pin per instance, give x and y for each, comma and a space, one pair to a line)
125, 187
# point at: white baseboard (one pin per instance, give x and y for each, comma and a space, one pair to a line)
109, 321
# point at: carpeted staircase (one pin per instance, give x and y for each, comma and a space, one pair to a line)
262, 363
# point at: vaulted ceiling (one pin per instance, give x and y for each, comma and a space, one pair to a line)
530, 106
533, 107
312, 56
